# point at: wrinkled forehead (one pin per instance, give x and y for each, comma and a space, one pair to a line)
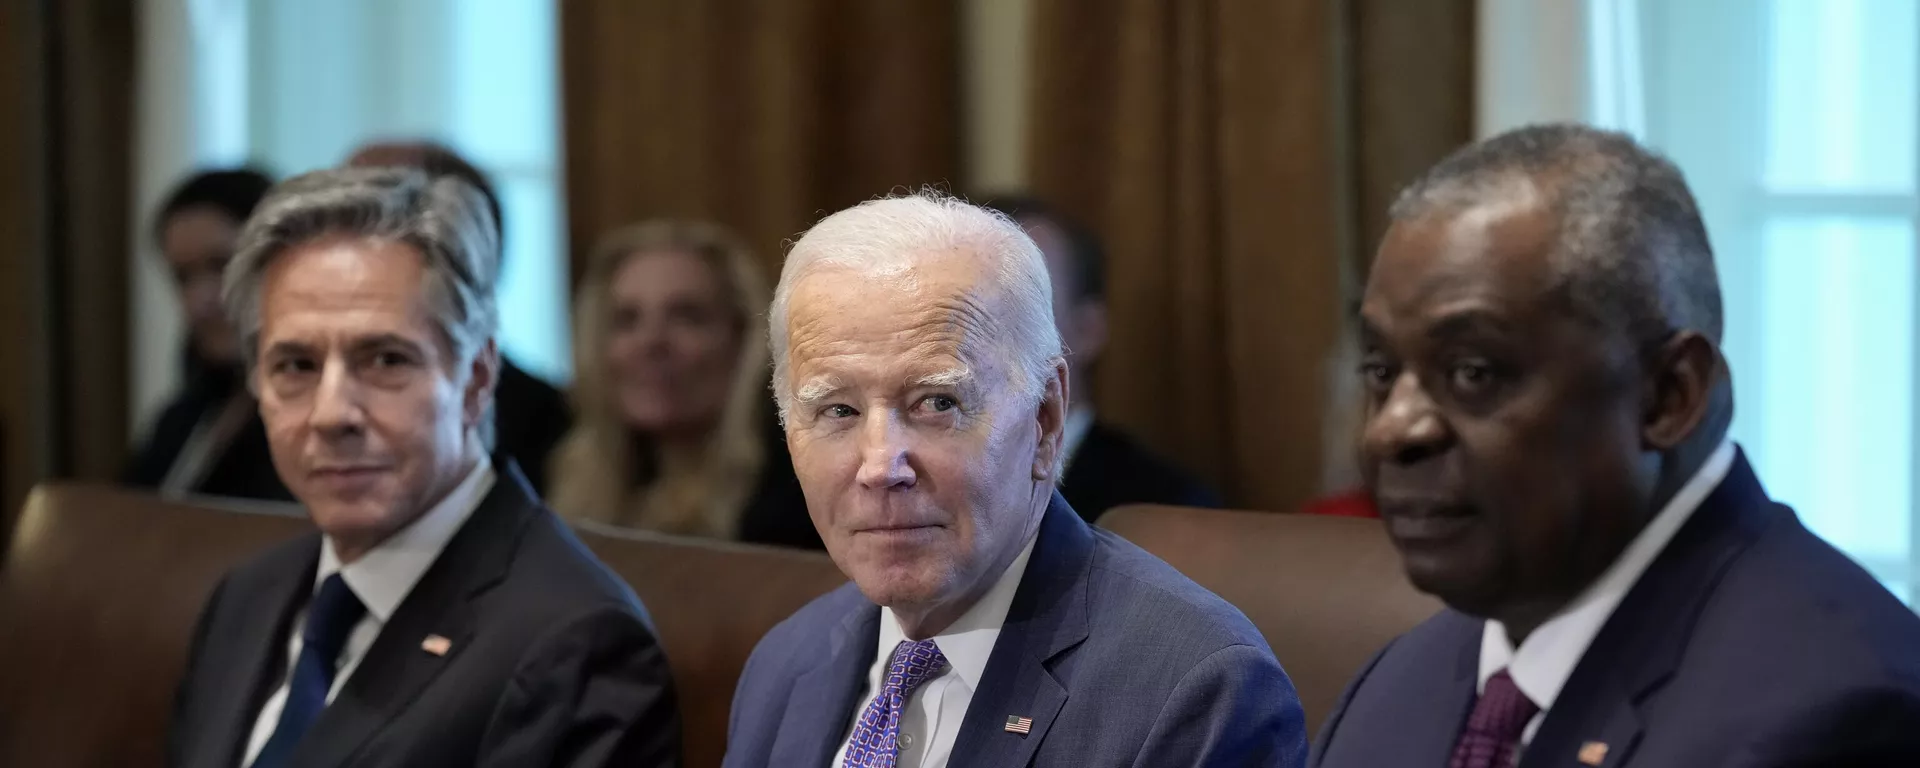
905, 322
1495, 256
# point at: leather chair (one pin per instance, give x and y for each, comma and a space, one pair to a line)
100, 590
99, 593
711, 602
1327, 592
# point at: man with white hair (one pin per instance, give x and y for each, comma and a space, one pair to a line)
440, 616
921, 381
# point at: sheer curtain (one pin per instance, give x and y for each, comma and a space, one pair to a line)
295, 86
1795, 121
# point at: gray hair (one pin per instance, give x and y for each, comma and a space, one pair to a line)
1631, 249
887, 237
444, 218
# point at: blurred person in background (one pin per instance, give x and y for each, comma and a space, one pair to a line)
209, 438
439, 615
532, 414
1105, 467
1340, 428
676, 432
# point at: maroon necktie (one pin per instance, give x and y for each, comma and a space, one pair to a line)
1493, 730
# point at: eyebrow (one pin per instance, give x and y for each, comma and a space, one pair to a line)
951, 377
1466, 323
288, 347
817, 388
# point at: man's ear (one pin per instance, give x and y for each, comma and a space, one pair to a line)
1686, 369
483, 375
1052, 421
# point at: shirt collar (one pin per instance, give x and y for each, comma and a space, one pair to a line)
1543, 662
1079, 423
383, 576
968, 642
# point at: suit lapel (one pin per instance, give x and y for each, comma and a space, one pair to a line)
258, 663
396, 668
823, 699
1048, 618
1642, 642
1456, 702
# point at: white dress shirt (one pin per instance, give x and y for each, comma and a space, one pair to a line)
381, 578
1543, 662
934, 713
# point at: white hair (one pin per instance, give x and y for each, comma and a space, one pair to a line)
888, 237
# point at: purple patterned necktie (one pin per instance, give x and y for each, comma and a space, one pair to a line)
875, 737
1494, 729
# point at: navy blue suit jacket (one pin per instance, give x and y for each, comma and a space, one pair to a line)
1119, 660
1748, 642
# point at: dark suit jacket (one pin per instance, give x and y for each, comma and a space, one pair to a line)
1110, 469
530, 417
244, 469
1118, 659
1748, 642
553, 660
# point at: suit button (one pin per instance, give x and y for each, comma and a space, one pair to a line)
906, 740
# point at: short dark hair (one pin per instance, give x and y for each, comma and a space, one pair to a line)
1088, 256
233, 191
436, 160
1631, 248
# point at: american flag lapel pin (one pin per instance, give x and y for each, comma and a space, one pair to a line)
1019, 725
436, 645
1593, 753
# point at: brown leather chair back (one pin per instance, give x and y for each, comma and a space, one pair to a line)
98, 597
1326, 591
711, 602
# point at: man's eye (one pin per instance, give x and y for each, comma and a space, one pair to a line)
838, 411
292, 365
940, 403
1471, 376
391, 360
1377, 376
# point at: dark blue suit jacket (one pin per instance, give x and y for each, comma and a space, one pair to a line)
1119, 660
1748, 642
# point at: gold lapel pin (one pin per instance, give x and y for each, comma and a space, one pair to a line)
439, 646
1593, 753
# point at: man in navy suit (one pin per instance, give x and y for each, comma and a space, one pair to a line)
921, 381
1546, 436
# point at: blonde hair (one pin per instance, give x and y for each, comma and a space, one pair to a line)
603, 471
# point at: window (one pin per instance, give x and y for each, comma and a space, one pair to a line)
1795, 121
296, 86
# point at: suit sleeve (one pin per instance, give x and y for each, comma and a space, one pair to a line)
1235, 708
179, 728
594, 692
1875, 728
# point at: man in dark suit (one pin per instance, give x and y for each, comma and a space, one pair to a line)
1105, 467
440, 615
208, 439
920, 378
1546, 437
530, 415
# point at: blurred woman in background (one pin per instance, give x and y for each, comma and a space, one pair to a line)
209, 439
675, 431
